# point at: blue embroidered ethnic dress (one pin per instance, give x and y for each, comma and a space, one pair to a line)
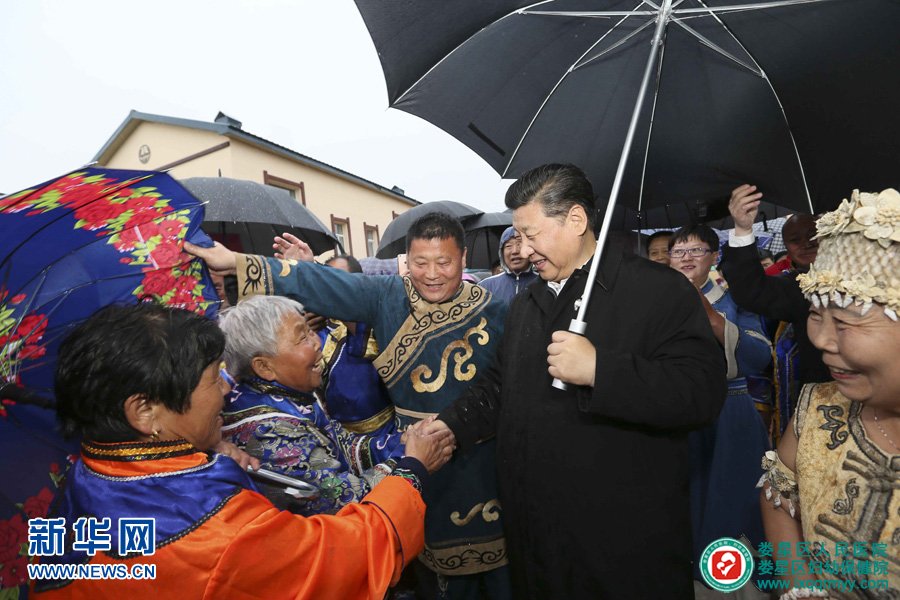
354, 393
430, 353
724, 470
291, 433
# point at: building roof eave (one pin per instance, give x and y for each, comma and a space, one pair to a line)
135, 118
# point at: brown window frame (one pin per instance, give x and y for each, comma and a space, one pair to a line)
346, 222
283, 183
366, 229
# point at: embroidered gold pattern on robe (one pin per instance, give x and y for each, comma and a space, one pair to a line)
467, 559
428, 322
489, 511
849, 487
461, 352
254, 276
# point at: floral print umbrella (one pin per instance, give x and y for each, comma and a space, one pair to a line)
68, 247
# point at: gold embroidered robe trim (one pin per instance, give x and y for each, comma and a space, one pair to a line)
427, 322
338, 332
372, 423
466, 559
254, 275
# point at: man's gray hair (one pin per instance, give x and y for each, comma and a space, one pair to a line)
251, 330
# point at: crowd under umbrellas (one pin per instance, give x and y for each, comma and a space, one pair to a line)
723, 101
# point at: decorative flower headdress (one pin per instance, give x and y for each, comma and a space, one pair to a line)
859, 254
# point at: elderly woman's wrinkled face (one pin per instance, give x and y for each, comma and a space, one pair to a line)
860, 351
297, 363
201, 425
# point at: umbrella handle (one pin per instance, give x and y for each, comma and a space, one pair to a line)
576, 326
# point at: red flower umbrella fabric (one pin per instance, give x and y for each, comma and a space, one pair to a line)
70, 246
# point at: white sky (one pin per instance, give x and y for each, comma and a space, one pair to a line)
301, 73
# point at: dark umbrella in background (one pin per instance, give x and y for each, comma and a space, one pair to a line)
393, 240
483, 238
70, 246
246, 215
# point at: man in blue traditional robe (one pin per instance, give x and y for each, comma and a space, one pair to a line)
438, 334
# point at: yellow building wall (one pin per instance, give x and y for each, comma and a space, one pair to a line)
326, 195
168, 144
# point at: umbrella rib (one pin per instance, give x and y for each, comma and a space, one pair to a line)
599, 14
460, 45
662, 54
711, 45
774, 92
743, 7
553, 91
590, 14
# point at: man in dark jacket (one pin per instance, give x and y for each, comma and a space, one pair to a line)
516, 272
593, 479
777, 298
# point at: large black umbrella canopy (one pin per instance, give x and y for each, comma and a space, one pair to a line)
252, 214
796, 96
483, 238
393, 240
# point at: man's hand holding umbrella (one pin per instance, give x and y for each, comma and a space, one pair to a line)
572, 358
218, 258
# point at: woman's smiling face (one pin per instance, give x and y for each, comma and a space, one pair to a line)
297, 363
861, 351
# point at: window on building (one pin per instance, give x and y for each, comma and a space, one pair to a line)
371, 239
295, 188
341, 229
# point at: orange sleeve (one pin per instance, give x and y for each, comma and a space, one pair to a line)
357, 553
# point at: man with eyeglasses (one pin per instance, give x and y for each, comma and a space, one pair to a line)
725, 455
516, 274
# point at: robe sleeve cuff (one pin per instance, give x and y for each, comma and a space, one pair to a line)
254, 276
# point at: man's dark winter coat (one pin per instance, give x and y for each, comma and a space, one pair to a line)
594, 481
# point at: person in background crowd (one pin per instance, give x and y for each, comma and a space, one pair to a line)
354, 393
593, 479
140, 385
724, 455
765, 258
835, 479
658, 247
781, 264
517, 273
438, 335
778, 298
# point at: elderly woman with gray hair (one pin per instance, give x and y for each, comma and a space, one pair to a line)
270, 413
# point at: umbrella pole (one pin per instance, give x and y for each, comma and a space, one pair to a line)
578, 324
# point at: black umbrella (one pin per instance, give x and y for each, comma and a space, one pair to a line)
393, 241
743, 91
246, 215
795, 96
483, 238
